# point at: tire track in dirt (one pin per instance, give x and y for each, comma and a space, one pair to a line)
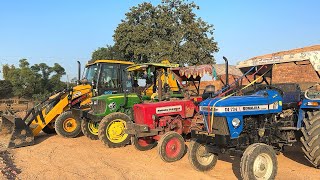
54, 157
7, 167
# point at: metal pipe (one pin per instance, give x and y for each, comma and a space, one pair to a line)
160, 86
227, 70
79, 71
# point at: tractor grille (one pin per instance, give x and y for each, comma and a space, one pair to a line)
98, 106
139, 115
220, 126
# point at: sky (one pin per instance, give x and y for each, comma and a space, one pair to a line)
60, 31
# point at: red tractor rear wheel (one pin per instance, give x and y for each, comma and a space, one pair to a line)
171, 147
143, 143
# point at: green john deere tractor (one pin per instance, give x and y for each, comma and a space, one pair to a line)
95, 122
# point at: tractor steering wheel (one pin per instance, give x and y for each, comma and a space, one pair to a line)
315, 96
264, 86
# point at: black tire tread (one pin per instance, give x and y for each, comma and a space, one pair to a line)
193, 144
142, 148
59, 127
161, 150
244, 158
103, 126
247, 154
311, 138
86, 132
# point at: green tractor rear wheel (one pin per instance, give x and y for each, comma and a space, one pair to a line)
111, 130
90, 129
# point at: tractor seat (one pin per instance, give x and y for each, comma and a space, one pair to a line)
291, 94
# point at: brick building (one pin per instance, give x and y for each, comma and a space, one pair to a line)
301, 72
300, 65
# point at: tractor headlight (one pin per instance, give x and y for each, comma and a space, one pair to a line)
312, 104
235, 122
94, 102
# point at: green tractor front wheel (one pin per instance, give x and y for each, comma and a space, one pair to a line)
111, 130
90, 129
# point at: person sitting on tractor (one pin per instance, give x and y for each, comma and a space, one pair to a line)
107, 79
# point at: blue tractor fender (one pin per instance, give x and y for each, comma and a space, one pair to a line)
305, 106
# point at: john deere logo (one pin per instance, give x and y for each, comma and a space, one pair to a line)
112, 106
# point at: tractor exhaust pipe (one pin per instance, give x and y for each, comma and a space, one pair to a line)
79, 72
227, 70
160, 87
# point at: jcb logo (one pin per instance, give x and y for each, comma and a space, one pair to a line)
77, 94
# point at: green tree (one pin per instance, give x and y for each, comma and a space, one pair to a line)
23, 80
55, 80
108, 52
33, 81
5, 89
170, 30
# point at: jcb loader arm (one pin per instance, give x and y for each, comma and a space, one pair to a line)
15, 132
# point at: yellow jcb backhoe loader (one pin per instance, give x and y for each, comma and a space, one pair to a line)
54, 113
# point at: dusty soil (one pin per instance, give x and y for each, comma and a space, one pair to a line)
54, 157
7, 167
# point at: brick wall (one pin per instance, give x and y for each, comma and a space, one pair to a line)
301, 73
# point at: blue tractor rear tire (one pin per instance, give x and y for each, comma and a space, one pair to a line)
311, 137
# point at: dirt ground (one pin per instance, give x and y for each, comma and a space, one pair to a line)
54, 157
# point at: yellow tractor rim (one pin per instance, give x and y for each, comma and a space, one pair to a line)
69, 125
93, 127
115, 131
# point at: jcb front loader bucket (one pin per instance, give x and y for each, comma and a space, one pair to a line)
14, 132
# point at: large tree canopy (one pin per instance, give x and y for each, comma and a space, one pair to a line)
33, 81
170, 30
108, 52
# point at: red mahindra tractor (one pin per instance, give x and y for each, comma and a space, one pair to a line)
166, 122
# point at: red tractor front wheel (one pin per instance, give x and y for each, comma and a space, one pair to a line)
171, 147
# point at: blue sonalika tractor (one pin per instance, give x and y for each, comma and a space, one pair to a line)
259, 124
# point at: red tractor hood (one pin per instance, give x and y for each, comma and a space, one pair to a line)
147, 113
